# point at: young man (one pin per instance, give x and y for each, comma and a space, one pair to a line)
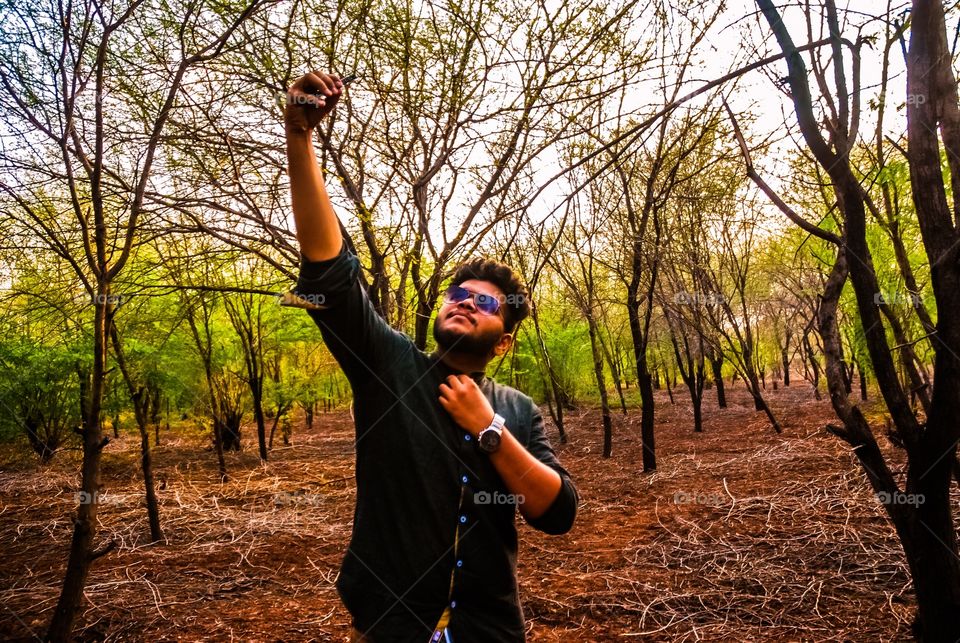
445, 456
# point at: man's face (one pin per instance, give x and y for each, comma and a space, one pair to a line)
462, 328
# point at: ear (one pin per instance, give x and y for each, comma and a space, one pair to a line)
506, 341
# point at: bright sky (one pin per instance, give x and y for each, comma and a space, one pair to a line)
753, 41
741, 36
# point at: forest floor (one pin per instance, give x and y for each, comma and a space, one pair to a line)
741, 534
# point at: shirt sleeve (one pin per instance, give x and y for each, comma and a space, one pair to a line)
560, 515
357, 336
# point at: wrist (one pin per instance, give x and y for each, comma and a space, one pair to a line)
489, 438
476, 431
298, 133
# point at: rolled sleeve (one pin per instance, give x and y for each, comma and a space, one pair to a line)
561, 514
357, 336
326, 284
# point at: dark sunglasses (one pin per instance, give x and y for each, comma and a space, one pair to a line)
486, 304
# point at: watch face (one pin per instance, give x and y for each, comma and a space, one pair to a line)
489, 440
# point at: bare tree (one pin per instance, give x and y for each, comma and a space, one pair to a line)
925, 527
92, 125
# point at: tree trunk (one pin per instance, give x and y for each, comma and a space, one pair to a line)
145, 408
261, 423
601, 386
85, 523
614, 372
153, 508
785, 360
647, 435
645, 382
204, 346
697, 400
716, 364
925, 527
863, 382
558, 397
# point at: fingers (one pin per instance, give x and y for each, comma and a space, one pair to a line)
325, 84
317, 89
458, 381
454, 389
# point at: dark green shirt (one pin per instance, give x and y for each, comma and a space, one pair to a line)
434, 524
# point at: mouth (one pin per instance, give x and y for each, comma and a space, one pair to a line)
455, 315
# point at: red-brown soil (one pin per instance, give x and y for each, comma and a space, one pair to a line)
741, 534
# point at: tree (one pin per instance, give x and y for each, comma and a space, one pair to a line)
78, 159
925, 528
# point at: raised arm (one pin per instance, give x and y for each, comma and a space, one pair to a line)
329, 282
309, 100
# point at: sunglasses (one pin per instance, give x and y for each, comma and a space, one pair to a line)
486, 304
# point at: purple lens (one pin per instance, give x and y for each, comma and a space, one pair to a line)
486, 304
456, 294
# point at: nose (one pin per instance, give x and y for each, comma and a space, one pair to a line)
468, 303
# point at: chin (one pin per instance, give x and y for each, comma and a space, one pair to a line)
453, 339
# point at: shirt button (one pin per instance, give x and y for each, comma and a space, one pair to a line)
467, 437
463, 519
459, 563
465, 479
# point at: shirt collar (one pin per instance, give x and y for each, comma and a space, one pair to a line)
476, 376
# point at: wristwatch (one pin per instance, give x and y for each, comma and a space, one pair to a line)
489, 438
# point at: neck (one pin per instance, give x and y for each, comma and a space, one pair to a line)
462, 362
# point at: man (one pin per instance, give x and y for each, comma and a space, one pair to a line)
444, 455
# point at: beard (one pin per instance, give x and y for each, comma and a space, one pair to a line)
458, 342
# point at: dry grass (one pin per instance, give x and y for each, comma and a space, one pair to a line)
740, 534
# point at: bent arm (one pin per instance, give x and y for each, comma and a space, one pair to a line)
525, 476
550, 497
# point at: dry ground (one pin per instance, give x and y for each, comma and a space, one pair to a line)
741, 534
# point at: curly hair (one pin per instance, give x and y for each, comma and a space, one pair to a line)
517, 299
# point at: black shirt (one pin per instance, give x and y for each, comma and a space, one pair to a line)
434, 524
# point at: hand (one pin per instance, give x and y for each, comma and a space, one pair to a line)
310, 99
466, 403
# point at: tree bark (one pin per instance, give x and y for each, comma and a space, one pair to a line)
85, 523
601, 386
716, 366
142, 403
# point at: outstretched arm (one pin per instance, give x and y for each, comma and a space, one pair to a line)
309, 100
329, 283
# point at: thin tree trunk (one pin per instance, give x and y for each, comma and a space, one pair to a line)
82, 554
558, 396
142, 403
716, 365
601, 386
